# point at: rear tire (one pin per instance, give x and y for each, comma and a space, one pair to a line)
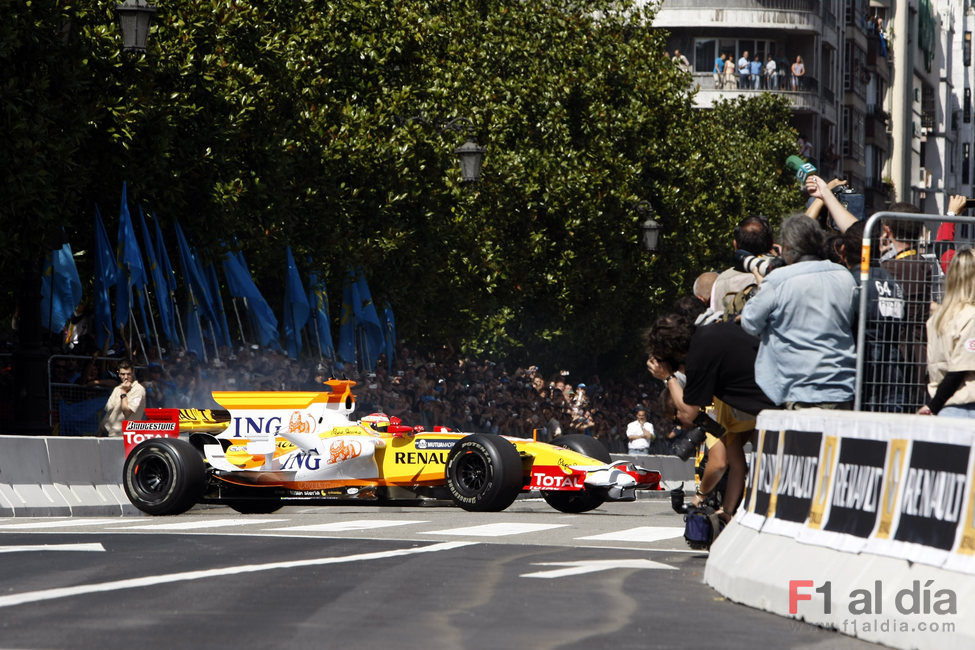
484, 473
582, 501
164, 476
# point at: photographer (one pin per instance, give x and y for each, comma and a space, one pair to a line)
754, 235
804, 315
719, 362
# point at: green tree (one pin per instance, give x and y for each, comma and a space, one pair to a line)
320, 125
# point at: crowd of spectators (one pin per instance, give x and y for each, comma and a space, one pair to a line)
435, 388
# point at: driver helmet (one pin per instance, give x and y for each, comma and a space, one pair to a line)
378, 421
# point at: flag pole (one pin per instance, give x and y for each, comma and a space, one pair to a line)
152, 321
179, 320
138, 335
240, 325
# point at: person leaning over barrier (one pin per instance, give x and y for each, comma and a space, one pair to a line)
804, 314
951, 343
719, 361
127, 402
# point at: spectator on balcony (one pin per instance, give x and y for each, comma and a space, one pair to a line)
755, 72
681, 61
744, 71
719, 72
798, 72
771, 74
729, 73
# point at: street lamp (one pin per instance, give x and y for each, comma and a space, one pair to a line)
135, 16
471, 157
470, 154
649, 227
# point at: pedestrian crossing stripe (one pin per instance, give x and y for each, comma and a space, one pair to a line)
345, 526
200, 524
496, 530
639, 534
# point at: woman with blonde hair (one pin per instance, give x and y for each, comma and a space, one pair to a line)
951, 343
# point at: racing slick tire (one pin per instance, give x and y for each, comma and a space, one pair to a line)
483, 473
164, 476
583, 501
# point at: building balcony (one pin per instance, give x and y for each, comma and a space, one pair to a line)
793, 15
804, 100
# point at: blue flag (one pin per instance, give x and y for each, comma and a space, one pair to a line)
223, 331
241, 285
194, 332
390, 331
347, 347
60, 289
132, 273
372, 339
295, 308
195, 280
318, 301
106, 276
164, 299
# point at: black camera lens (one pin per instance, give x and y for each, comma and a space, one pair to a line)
687, 446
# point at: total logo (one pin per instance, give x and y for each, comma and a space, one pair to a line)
542, 481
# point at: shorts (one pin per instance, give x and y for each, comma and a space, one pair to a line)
735, 422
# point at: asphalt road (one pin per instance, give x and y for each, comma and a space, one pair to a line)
367, 577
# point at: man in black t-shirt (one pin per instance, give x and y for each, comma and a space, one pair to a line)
719, 362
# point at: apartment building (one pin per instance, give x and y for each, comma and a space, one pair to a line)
883, 100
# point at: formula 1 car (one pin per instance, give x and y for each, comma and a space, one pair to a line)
271, 449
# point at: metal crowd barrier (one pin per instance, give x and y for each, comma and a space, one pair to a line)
891, 370
67, 388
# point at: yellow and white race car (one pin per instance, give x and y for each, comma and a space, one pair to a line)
271, 449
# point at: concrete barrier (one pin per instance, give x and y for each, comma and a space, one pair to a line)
860, 522
26, 483
79, 474
111, 453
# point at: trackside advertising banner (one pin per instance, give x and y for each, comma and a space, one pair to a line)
893, 485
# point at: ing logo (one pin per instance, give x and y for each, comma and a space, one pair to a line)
344, 450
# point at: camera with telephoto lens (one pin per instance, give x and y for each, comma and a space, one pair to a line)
851, 200
745, 262
703, 424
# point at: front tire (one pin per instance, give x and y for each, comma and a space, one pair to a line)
483, 473
164, 476
582, 501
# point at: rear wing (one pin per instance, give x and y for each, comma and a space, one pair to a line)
159, 423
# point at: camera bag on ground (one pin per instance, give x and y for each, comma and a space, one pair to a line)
701, 526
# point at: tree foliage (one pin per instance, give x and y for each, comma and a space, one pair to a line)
321, 125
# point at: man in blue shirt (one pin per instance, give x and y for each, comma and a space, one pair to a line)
718, 72
755, 68
804, 314
743, 70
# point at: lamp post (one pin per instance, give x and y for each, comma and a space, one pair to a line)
135, 17
649, 227
470, 154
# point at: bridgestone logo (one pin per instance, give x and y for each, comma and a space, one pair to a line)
151, 426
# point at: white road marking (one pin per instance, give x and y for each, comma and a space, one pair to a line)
61, 523
93, 546
355, 524
203, 523
592, 566
640, 534
148, 581
496, 530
